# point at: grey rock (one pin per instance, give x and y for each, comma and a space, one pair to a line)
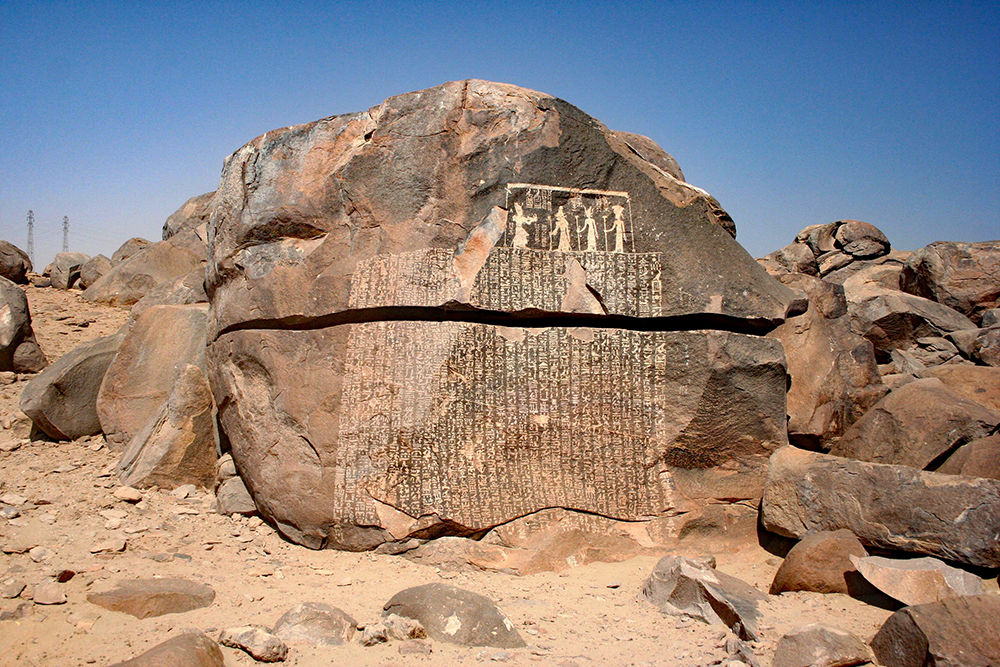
886, 506
14, 263
682, 587
93, 269
131, 247
316, 624
820, 646
232, 497
65, 269
192, 649
19, 350
990, 318
861, 239
255, 640
136, 276
917, 581
146, 598
194, 213
986, 347
62, 399
456, 616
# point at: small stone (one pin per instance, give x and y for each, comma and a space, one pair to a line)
20, 611
13, 499
11, 590
113, 545
255, 640
184, 491
415, 647
146, 598
38, 554
374, 633
403, 628
346, 581
128, 494
9, 512
615, 584
49, 593
10, 445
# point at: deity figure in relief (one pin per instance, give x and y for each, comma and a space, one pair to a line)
591, 226
562, 229
520, 220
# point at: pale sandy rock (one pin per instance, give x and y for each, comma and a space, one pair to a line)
917, 581
255, 640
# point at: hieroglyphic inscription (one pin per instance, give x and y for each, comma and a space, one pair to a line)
546, 217
479, 423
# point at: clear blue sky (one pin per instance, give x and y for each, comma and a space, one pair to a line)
789, 113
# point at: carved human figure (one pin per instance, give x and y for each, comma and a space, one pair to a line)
618, 227
520, 220
591, 226
562, 229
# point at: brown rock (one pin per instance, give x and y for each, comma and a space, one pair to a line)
861, 239
797, 258
255, 640
455, 616
977, 383
957, 632
19, 351
178, 445
194, 213
651, 152
829, 262
232, 497
820, 563
917, 581
886, 506
131, 247
136, 276
820, 238
49, 592
963, 276
145, 598
979, 458
316, 624
902, 429
820, 646
882, 272
137, 385
986, 347
93, 269
14, 263
188, 289
65, 269
188, 650
62, 399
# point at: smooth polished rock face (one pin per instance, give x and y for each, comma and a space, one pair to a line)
475, 302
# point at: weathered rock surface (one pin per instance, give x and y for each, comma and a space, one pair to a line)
131, 247
194, 213
192, 649
19, 351
956, 632
797, 258
65, 269
979, 458
917, 581
188, 289
684, 587
963, 276
14, 263
920, 425
990, 318
820, 646
138, 384
136, 276
145, 598
93, 269
62, 399
886, 506
456, 616
316, 624
820, 563
255, 640
392, 627
835, 378
986, 347
232, 497
977, 383
179, 444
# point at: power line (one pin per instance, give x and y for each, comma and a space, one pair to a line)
31, 236
65, 233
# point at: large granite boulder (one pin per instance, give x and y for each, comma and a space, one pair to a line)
133, 246
93, 269
474, 302
65, 269
920, 425
886, 506
19, 351
963, 276
194, 213
835, 378
14, 263
62, 399
188, 289
158, 346
160, 262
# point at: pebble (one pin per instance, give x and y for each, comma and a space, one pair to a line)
11, 589
415, 647
128, 494
13, 499
183, 491
10, 445
49, 592
113, 545
38, 554
9, 512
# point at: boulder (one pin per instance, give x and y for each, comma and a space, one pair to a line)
392, 627
137, 385
14, 263
986, 347
797, 258
500, 329
93, 269
232, 497
962, 276
136, 276
886, 506
131, 247
316, 624
956, 632
832, 261
979, 458
65, 269
821, 239
194, 213
146, 598
684, 587
834, 376
820, 646
820, 563
990, 318
652, 152
882, 272
976, 383
192, 649
455, 616
920, 425
255, 640
19, 351
62, 399
179, 444
860, 240
917, 581
891, 319
188, 289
